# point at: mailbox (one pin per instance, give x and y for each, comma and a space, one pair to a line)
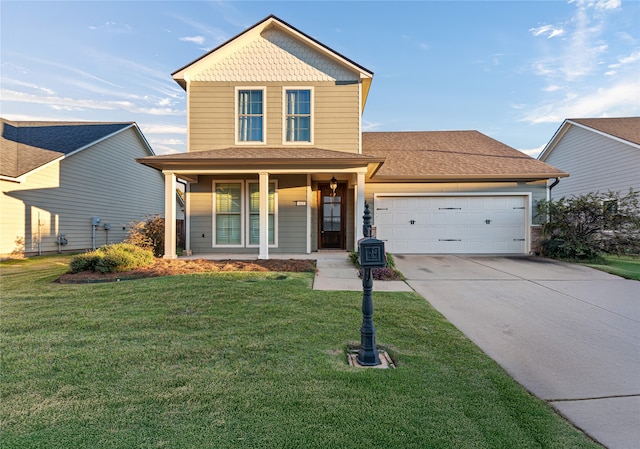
371, 253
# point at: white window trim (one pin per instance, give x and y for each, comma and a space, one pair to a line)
264, 115
242, 214
245, 213
275, 215
284, 115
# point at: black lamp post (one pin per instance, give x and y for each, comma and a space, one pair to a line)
372, 254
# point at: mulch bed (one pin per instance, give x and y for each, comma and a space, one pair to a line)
167, 267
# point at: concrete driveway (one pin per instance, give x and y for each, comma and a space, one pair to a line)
567, 333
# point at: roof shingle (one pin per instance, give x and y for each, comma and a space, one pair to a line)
25, 146
626, 128
451, 155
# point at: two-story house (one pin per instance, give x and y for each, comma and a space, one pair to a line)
277, 161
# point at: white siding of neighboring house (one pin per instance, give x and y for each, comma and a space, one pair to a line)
103, 180
19, 219
595, 163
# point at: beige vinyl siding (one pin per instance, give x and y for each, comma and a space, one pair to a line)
594, 163
337, 118
537, 189
103, 180
212, 115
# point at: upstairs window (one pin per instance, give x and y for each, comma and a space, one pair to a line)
297, 115
250, 114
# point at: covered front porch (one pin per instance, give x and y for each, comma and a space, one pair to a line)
297, 201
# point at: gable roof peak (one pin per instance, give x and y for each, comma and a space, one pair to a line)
219, 63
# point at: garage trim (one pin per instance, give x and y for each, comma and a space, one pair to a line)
528, 201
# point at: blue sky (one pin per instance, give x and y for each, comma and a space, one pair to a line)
513, 70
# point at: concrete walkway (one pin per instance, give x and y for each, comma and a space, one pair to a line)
336, 272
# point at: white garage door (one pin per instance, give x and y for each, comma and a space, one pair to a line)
452, 225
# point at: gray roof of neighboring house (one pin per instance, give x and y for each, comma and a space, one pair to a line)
25, 146
625, 128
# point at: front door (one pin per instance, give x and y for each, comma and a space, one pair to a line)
332, 216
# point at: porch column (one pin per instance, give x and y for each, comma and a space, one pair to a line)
308, 199
169, 215
264, 216
187, 217
359, 208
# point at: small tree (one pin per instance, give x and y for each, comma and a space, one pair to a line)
148, 234
586, 226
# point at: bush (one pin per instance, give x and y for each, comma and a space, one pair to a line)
388, 273
585, 227
112, 258
84, 262
148, 234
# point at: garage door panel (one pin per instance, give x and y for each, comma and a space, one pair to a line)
452, 224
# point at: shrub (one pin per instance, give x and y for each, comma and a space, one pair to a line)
584, 227
388, 273
84, 262
148, 234
112, 258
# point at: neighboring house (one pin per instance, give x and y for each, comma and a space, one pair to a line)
57, 176
277, 162
602, 155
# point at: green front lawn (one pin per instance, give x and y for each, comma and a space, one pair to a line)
245, 360
627, 267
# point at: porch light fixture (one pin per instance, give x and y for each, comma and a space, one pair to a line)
333, 184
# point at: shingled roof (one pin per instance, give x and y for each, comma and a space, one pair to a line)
451, 156
252, 157
625, 128
25, 146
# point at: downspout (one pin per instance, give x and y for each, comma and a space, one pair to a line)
555, 183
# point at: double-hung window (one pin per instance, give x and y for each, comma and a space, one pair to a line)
297, 115
250, 114
237, 208
228, 211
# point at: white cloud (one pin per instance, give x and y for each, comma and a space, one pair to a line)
549, 30
534, 152
370, 126
622, 99
218, 35
71, 104
111, 26
607, 4
634, 57
195, 39
14, 82
552, 88
163, 128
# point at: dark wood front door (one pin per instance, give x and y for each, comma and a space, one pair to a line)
332, 217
